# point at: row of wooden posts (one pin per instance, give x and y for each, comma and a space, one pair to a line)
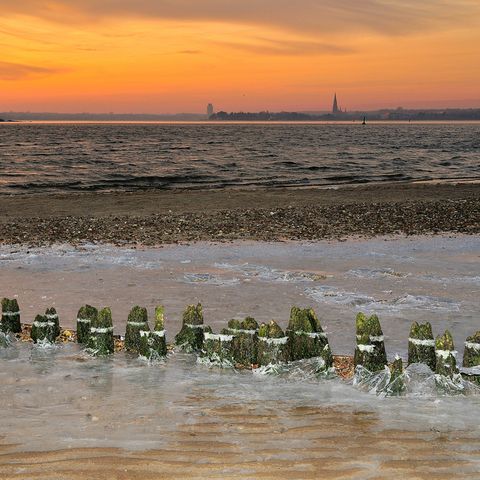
245, 343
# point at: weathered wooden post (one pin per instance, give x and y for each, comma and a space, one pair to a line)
137, 322
10, 316
190, 337
421, 345
396, 385
218, 348
370, 350
85, 316
52, 316
101, 341
153, 344
245, 341
471, 358
43, 330
446, 355
272, 344
306, 336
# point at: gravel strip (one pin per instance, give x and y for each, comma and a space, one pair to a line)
286, 223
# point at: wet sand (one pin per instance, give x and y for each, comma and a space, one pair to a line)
160, 217
330, 443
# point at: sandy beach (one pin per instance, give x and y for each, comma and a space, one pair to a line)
70, 416
160, 217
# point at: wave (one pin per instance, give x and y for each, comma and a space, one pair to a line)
334, 296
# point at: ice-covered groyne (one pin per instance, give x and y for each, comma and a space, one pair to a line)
247, 345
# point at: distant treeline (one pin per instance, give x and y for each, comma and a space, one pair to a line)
397, 114
385, 114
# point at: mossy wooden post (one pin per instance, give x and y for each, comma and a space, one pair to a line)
85, 316
245, 341
272, 344
370, 350
218, 348
471, 359
137, 322
10, 316
421, 345
190, 337
396, 385
306, 336
43, 330
471, 354
153, 344
101, 341
445, 353
52, 317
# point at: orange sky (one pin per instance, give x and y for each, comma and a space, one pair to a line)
161, 56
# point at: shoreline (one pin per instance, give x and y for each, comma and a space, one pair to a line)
158, 217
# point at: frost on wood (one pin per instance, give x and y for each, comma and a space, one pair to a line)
10, 316
370, 350
190, 337
421, 345
101, 341
306, 336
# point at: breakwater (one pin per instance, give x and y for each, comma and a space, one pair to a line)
266, 347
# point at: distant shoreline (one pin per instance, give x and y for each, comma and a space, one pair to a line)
384, 115
244, 122
158, 217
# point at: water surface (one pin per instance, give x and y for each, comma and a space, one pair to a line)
98, 157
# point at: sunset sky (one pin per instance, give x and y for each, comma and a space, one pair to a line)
165, 56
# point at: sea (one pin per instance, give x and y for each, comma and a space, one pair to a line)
63, 157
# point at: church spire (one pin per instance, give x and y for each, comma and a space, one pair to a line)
335, 108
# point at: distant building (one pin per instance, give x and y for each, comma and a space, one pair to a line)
335, 109
209, 110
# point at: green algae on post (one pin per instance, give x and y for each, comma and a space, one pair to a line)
101, 341
306, 336
245, 341
446, 355
52, 316
421, 345
43, 330
85, 316
153, 344
137, 322
471, 359
190, 337
272, 344
10, 316
396, 385
218, 348
471, 354
370, 350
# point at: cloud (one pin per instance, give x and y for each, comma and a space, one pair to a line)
17, 71
289, 47
320, 17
